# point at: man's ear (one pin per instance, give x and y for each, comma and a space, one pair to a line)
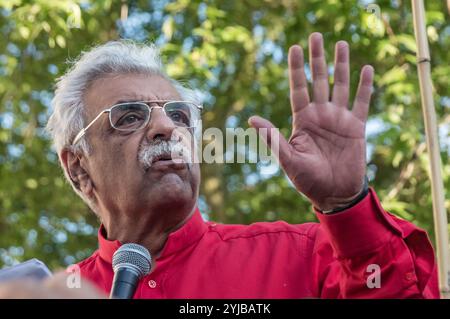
75, 169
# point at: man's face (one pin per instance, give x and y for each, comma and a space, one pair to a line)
121, 182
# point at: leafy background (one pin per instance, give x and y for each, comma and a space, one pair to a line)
235, 51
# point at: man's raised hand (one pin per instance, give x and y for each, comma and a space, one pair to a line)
325, 157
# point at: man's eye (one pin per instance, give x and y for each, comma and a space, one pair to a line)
179, 118
129, 119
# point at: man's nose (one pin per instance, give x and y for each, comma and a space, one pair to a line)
160, 126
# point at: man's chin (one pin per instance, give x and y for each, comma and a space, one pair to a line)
168, 189
171, 180
173, 177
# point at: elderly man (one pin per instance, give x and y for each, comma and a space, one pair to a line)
115, 115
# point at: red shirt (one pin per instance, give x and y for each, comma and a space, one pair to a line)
330, 259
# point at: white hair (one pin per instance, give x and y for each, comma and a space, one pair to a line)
115, 57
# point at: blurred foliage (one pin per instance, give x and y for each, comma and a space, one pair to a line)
235, 51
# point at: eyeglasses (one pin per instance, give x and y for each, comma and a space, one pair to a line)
133, 116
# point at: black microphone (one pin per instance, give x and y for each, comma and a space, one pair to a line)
130, 263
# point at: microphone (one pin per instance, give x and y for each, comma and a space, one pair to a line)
130, 263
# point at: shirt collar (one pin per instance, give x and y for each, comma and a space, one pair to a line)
183, 237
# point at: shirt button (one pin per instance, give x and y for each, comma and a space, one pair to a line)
152, 283
409, 276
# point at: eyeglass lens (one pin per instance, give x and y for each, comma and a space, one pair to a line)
134, 115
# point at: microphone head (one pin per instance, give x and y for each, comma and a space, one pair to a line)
133, 257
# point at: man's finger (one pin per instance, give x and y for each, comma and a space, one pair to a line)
362, 99
272, 137
341, 74
297, 79
319, 68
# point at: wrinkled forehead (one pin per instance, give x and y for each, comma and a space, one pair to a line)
112, 89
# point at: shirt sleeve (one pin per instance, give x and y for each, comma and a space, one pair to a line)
365, 252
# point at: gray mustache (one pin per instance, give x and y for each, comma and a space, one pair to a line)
176, 150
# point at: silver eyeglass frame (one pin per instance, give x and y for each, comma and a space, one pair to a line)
146, 103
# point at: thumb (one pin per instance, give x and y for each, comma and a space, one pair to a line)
271, 136
264, 128
256, 121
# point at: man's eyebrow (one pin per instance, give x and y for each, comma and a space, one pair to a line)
126, 101
140, 100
